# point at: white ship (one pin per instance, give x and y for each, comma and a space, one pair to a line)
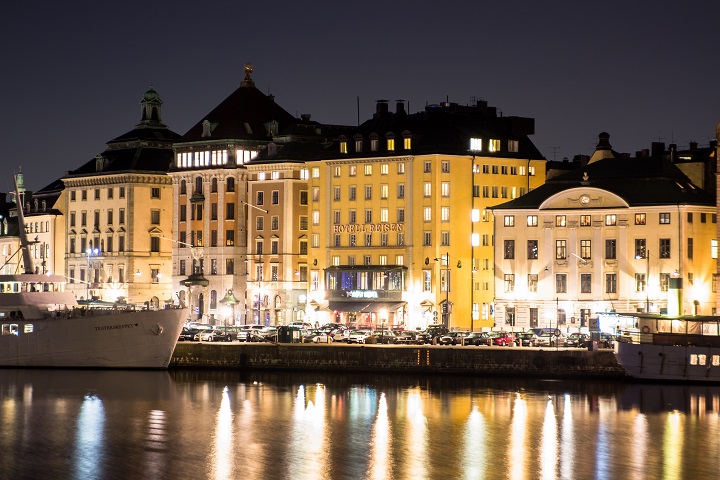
682, 348
43, 326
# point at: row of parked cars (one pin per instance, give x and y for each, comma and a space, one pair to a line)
433, 334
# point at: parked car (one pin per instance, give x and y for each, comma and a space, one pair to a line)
359, 336
477, 338
265, 334
577, 339
502, 339
408, 337
387, 337
527, 339
453, 338
187, 334
432, 332
340, 334
317, 336
549, 339
606, 341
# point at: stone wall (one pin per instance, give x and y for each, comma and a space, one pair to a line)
400, 359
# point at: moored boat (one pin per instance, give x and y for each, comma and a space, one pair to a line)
680, 348
42, 325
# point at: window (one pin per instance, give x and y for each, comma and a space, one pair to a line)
476, 144
230, 187
640, 219
352, 192
611, 283
427, 167
155, 275
585, 220
610, 220
703, 218
509, 282
640, 282
368, 239
368, 170
532, 282
640, 248
445, 167
532, 249
260, 198
303, 222
585, 283
690, 248
560, 249
427, 214
532, 220
154, 244
427, 239
336, 240
384, 239
585, 249
689, 217
213, 238
274, 247
72, 219
183, 213
664, 248
214, 211
274, 222
427, 189
229, 266
560, 220
304, 197
303, 247
664, 282
401, 190
561, 283
336, 217
259, 223
155, 192
445, 189
97, 194
229, 238
155, 217
275, 197
509, 220
384, 215
368, 215
384, 191
368, 192
316, 217
509, 249
610, 249
504, 169
352, 216
384, 169
493, 145
513, 145
445, 214
664, 219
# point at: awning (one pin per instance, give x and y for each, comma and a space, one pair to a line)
365, 307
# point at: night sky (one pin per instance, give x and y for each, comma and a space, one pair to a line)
73, 73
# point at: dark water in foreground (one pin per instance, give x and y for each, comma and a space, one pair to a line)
187, 424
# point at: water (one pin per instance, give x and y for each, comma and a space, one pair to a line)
187, 424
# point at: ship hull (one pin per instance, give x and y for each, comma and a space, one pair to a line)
647, 361
100, 339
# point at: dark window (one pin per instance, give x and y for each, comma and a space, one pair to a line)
611, 249
664, 248
532, 249
509, 249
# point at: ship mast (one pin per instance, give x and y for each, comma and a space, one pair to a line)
24, 244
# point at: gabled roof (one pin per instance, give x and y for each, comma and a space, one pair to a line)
641, 181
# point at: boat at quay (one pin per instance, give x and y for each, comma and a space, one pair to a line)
674, 348
42, 325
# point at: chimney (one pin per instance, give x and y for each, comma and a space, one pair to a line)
657, 149
693, 145
400, 107
381, 108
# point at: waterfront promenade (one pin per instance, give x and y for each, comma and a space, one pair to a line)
552, 362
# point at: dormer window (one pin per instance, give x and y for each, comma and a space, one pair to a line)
373, 142
476, 144
407, 140
513, 146
358, 143
343, 144
493, 145
390, 141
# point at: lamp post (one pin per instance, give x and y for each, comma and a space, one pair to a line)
89, 253
647, 279
230, 300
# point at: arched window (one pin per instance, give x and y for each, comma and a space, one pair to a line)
198, 185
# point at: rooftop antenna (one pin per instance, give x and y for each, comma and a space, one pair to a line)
554, 149
358, 109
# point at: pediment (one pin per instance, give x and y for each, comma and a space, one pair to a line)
583, 198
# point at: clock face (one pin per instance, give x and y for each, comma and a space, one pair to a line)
585, 200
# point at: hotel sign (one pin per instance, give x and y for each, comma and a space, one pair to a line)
369, 227
362, 294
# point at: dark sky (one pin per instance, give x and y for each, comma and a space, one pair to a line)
73, 73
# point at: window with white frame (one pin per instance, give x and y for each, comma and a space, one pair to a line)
427, 214
445, 214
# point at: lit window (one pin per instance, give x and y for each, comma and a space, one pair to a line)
532, 220
560, 220
384, 168
476, 144
316, 172
493, 145
445, 189
368, 169
611, 220
445, 214
427, 189
513, 145
509, 220
640, 219
427, 214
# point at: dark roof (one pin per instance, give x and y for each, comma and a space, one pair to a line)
242, 115
147, 134
639, 181
444, 128
144, 159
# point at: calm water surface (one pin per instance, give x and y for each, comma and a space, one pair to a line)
186, 424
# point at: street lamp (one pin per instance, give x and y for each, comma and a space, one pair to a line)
647, 279
447, 310
89, 252
231, 301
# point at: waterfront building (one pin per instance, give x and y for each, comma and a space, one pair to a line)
45, 224
240, 197
118, 211
400, 232
619, 234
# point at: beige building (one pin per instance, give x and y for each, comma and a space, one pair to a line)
119, 210
618, 235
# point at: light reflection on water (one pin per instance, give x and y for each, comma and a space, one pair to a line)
225, 425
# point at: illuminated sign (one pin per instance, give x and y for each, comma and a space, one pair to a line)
362, 294
369, 227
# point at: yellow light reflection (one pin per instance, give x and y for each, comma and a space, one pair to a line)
223, 454
417, 437
567, 440
308, 443
548, 452
156, 443
380, 446
672, 446
474, 464
639, 447
517, 438
89, 438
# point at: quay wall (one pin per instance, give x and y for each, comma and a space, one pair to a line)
399, 359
